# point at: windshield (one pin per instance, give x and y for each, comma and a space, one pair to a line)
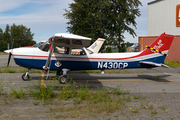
44, 46
36, 45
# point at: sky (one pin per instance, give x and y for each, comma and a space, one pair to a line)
45, 17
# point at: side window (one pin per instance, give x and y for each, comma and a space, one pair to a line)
61, 50
77, 52
57, 49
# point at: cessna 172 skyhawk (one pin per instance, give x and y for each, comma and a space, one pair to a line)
48, 57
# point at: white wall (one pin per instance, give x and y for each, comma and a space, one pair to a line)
162, 18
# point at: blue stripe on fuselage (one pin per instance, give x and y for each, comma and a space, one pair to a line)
84, 65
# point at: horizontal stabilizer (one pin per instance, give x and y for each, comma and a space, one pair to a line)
154, 64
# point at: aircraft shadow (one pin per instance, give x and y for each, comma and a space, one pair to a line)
96, 78
157, 78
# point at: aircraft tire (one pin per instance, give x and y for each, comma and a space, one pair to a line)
63, 79
25, 78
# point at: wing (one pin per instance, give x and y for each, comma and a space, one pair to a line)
70, 40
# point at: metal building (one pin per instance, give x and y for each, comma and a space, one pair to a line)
164, 16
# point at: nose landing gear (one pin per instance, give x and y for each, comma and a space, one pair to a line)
26, 76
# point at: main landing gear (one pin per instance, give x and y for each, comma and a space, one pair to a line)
62, 76
26, 76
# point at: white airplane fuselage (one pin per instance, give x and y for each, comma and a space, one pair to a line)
31, 57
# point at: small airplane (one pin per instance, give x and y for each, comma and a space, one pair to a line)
57, 55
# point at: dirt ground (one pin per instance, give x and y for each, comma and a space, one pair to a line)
26, 109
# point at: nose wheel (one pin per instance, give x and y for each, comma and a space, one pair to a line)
26, 76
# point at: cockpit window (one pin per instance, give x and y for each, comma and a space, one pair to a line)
57, 49
44, 46
36, 45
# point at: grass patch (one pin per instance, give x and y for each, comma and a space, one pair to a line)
16, 69
133, 110
153, 112
162, 108
38, 91
89, 102
8, 69
147, 106
36, 103
117, 90
172, 64
136, 97
1, 86
19, 93
3, 53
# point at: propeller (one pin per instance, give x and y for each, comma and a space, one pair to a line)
10, 54
9, 58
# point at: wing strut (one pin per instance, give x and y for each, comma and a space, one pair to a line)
49, 57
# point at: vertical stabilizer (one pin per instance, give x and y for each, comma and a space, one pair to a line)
160, 45
95, 47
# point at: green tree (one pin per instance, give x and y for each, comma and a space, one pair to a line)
1, 34
22, 36
7, 36
127, 44
122, 47
108, 49
2, 42
108, 19
85, 18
